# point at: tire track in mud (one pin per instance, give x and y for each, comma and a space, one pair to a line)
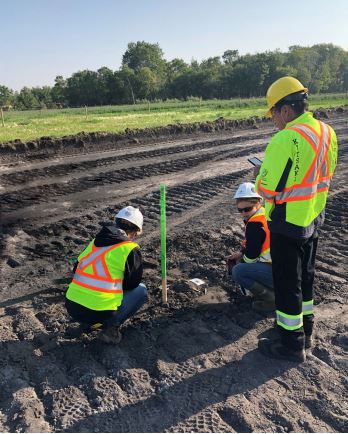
27, 175
59, 169
27, 197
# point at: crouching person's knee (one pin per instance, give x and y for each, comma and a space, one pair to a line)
236, 273
142, 292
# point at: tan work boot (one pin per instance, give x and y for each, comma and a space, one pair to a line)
111, 335
263, 298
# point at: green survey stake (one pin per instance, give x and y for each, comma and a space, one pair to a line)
163, 242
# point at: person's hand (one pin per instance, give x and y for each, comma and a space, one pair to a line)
234, 257
256, 170
232, 260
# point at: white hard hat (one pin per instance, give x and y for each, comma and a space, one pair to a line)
131, 214
246, 191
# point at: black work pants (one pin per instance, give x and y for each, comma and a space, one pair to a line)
293, 262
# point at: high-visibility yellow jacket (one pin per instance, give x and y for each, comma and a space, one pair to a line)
97, 282
295, 175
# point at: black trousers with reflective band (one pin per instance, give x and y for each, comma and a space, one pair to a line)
293, 261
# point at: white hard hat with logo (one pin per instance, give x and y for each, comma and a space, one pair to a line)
132, 215
246, 191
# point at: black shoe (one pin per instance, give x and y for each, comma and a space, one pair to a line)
308, 342
276, 350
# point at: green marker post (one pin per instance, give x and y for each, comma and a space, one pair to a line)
163, 242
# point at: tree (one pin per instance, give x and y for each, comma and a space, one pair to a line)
43, 96
128, 76
82, 89
105, 78
175, 69
59, 93
6, 96
210, 78
26, 100
118, 89
230, 56
144, 55
343, 74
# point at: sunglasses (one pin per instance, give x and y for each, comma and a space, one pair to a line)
247, 209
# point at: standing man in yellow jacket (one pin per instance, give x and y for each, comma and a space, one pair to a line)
294, 180
106, 288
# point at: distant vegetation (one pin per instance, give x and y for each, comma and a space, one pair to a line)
146, 76
32, 124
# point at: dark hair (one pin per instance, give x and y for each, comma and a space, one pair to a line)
126, 226
299, 107
297, 101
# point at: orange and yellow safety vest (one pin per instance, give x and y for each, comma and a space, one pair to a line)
98, 280
265, 255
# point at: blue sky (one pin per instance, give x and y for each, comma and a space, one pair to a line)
41, 39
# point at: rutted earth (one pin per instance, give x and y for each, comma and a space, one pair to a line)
191, 366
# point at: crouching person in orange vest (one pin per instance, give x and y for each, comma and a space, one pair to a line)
252, 266
106, 288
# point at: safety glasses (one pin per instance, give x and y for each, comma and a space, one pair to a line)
246, 209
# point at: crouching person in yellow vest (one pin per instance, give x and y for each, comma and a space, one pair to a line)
106, 288
294, 180
252, 266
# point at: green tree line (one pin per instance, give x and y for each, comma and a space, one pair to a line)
146, 76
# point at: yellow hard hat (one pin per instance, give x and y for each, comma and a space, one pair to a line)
280, 89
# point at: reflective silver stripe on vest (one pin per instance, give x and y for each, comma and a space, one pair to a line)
322, 151
90, 281
84, 263
265, 257
267, 195
308, 132
291, 322
297, 192
323, 169
320, 158
308, 307
304, 192
324, 184
100, 269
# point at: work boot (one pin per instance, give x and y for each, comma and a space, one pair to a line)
111, 335
264, 300
308, 342
276, 350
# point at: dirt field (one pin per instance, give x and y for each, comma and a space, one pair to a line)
191, 366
